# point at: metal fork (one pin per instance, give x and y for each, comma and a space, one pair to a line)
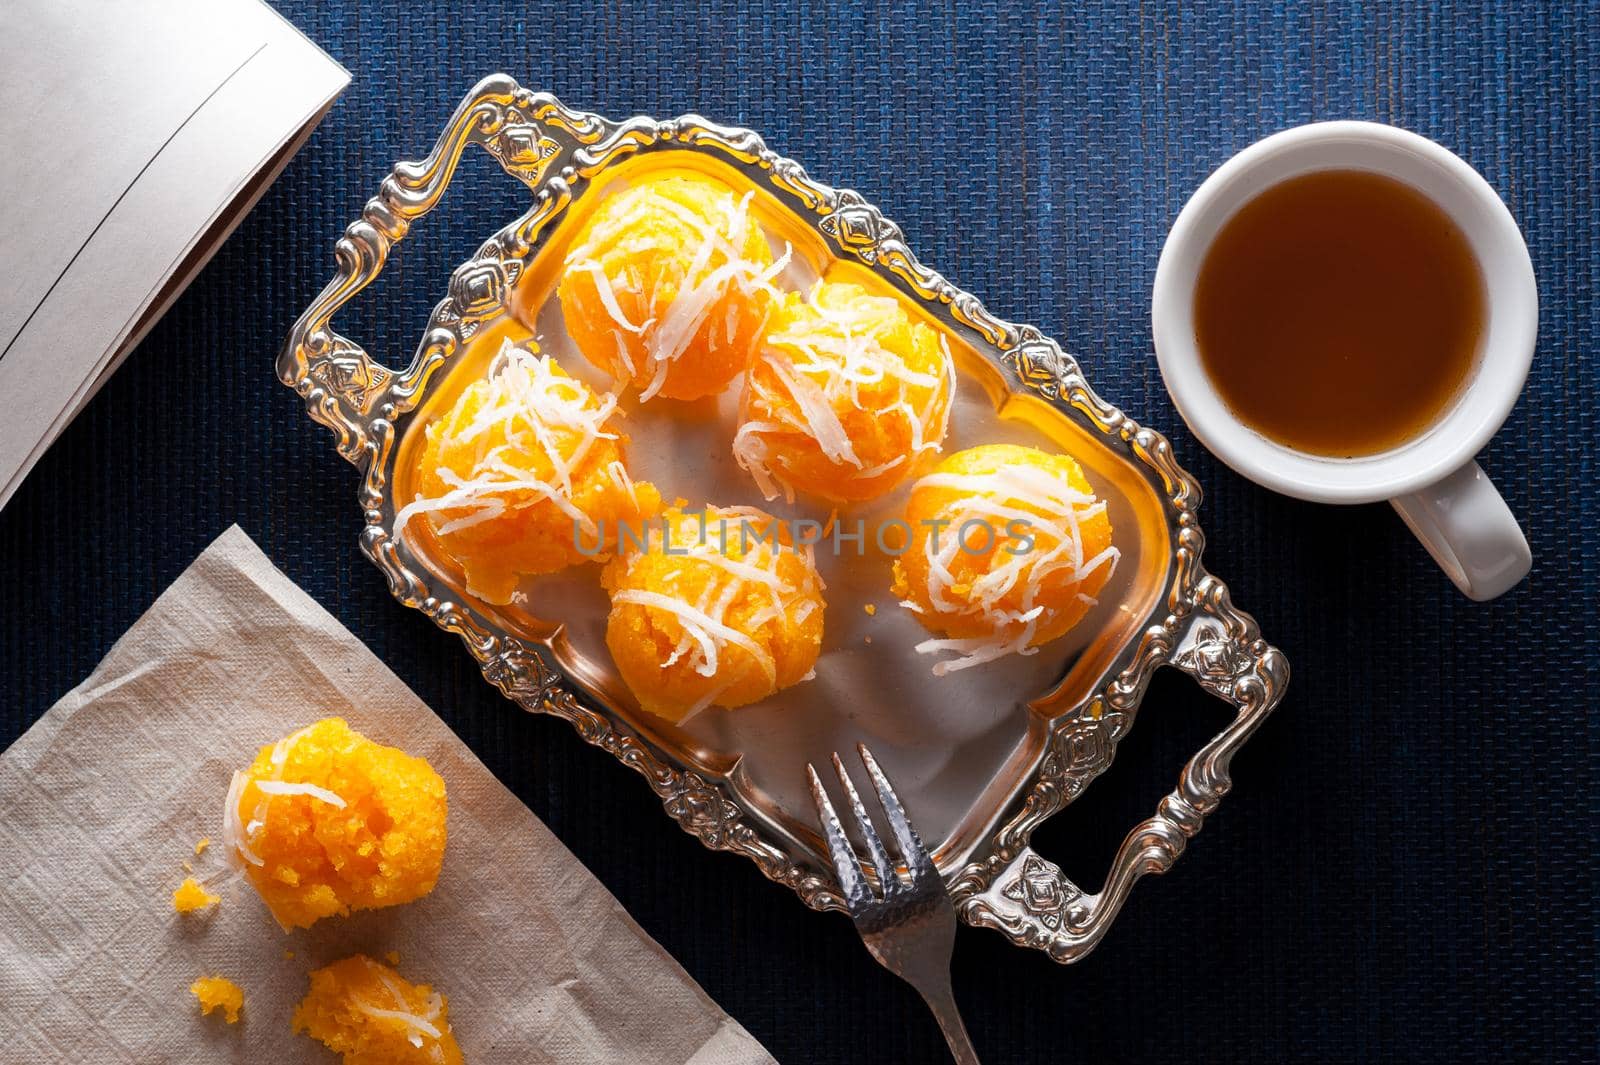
910, 927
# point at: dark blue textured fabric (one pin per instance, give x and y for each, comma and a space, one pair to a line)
1406, 868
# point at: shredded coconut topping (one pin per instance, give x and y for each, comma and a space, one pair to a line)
420, 1025
233, 831
411, 1020
285, 787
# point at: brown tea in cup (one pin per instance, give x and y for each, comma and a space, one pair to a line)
1339, 312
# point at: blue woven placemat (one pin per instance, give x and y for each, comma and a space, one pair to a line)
1406, 869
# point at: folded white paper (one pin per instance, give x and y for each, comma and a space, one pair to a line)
134, 136
102, 801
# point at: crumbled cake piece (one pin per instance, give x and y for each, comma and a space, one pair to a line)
218, 992
367, 1012
191, 896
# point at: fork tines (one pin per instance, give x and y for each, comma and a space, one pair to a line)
919, 865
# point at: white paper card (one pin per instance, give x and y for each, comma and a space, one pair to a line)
133, 137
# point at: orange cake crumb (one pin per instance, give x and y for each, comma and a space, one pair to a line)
393, 957
327, 821
370, 1014
191, 896
218, 992
288, 955
871, 609
205, 841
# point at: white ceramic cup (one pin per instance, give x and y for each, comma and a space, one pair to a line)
1432, 479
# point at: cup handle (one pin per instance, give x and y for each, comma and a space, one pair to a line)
1468, 529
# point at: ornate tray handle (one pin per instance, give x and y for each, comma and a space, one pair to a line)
1026, 897
343, 388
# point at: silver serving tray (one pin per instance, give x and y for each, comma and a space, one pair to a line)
1181, 615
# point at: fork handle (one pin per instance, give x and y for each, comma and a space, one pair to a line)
942, 1001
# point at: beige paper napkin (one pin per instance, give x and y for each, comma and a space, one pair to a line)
103, 799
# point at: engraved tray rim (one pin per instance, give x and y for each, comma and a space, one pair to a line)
1005, 884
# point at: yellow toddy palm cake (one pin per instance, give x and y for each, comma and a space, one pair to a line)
524, 460
1010, 548
719, 607
325, 821
844, 396
668, 286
